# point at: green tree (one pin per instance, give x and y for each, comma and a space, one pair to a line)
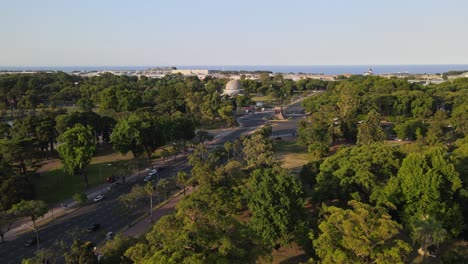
113, 250
164, 187
460, 120
243, 100
225, 113
320, 132
427, 184
228, 146
410, 129
203, 136
203, 165
182, 179
258, 151
46, 134
44, 255
33, 209
17, 152
140, 134
81, 253
80, 198
200, 231
362, 234
150, 190
183, 129
85, 104
370, 131
266, 131
76, 150
428, 231
14, 187
6, 220
276, 204
348, 101
363, 170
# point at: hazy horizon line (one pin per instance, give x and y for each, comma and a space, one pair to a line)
230, 65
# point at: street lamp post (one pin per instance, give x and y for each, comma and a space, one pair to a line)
102, 182
37, 235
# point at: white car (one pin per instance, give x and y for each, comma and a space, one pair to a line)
109, 235
153, 172
98, 198
147, 178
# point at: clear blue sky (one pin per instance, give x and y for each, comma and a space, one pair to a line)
241, 32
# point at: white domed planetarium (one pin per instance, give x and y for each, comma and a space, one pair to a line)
233, 87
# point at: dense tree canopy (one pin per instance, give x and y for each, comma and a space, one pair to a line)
361, 234
364, 170
424, 192
276, 204
427, 184
198, 233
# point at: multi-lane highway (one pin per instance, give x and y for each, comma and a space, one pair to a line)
73, 226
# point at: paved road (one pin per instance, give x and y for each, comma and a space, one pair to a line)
285, 128
105, 212
288, 127
248, 123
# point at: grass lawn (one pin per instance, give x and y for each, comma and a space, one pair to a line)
54, 185
265, 98
291, 155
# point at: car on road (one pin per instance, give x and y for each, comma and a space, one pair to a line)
98, 198
109, 235
153, 172
147, 178
93, 227
30, 242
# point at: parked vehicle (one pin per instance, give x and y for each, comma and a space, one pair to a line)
30, 242
93, 227
110, 179
109, 235
147, 178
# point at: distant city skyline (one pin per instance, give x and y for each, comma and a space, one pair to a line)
132, 33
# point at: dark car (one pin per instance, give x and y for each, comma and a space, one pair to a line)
110, 179
30, 242
93, 227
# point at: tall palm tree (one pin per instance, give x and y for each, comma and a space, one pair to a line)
428, 231
228, 146
182, 179
150, 191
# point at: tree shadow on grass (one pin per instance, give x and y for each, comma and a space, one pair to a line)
296, 259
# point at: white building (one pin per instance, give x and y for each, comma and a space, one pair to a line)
369, 72
233, 87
